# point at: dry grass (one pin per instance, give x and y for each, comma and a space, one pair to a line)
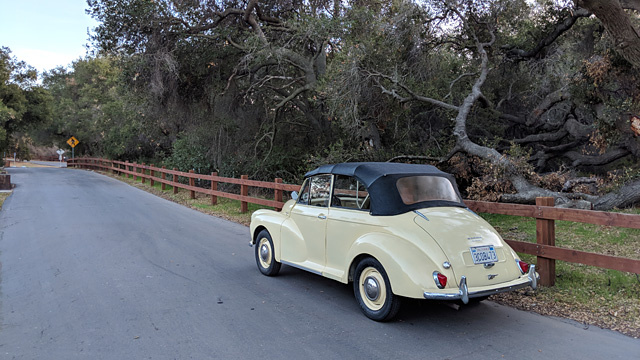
26, 164
3, 197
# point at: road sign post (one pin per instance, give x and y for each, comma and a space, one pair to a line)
73, 142
60, 152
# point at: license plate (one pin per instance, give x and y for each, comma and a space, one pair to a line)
483, 254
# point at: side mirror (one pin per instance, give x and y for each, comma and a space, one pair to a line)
294, 195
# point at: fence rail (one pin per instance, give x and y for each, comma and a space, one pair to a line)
159, 174
544, 212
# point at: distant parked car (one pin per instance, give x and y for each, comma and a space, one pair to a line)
394, 231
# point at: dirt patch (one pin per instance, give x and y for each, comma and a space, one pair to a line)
623, 317
26, 164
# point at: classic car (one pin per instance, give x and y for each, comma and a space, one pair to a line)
393, 230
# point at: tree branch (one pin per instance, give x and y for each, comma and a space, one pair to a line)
606, 158
295, 93
549, 101
558, 30
627, 195
545, 137
455, 81
412, 95
413, 157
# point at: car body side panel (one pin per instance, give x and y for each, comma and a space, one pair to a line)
408, 254
409, 268
344, 226
303, 237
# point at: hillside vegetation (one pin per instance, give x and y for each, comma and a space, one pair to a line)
517, 98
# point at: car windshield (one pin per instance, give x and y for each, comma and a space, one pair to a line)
415, 189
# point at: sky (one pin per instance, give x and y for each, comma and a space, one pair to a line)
45, 33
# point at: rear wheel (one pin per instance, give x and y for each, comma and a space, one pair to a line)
265, 256
372, 290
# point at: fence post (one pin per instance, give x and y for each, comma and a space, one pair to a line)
126, 168
214, 187
135, 171
143, 173
164, 177
277, 196
192, 194
175, 182
244, 191
151, 175
546, 235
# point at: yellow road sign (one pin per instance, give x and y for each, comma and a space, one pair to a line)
73, 141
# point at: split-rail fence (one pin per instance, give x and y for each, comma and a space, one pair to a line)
544, 212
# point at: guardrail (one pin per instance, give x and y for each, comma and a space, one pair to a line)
170, 177
544, 212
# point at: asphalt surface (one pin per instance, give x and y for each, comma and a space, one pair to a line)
92, 268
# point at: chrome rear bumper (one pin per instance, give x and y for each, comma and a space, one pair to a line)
464, 294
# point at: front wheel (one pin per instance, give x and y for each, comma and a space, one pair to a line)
265, 258
372, 289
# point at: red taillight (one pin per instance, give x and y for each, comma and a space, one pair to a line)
524, 267
441, 280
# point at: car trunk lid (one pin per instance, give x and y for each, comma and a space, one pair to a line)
459, 232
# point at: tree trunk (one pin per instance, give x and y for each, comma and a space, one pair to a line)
619, 26
627, 195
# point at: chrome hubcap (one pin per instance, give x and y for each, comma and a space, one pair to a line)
264, 253
371, 288
265, 256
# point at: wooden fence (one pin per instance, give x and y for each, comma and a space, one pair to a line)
544, 212
171, 177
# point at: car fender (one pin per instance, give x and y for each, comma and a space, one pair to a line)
272, 221
409, 268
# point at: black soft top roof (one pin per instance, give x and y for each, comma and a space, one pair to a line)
380, 179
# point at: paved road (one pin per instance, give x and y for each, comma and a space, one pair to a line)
95, 269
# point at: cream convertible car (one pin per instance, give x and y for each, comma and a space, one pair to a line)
394, 230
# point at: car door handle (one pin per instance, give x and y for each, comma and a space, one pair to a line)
322, 216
